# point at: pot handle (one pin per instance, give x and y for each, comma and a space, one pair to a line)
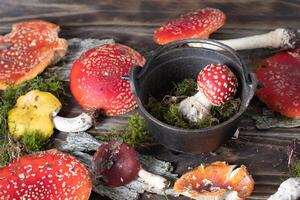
215, 43
134, 75
252, 87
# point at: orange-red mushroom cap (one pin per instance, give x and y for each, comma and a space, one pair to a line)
28, 50
197, 24
46, 175
279, 76
215, 180
96, 78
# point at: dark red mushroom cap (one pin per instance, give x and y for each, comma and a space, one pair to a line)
116, 163
218, 83
46, 175
29, 49
96, 78
197, 24
280, 77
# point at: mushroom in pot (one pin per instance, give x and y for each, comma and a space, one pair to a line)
216, 84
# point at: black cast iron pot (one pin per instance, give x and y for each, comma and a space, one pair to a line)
175, 62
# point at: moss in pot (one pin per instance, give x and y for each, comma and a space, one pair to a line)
195, 105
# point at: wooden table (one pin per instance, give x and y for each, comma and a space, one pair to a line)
132, 22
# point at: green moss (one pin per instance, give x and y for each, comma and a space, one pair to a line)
227, 110
33, 141
173, 116
4, 155
136, 132
9, 149
12, 93
168, 112
188, 87
295, 169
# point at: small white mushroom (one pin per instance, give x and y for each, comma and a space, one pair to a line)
288, 190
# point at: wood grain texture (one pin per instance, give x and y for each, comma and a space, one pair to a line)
132, 22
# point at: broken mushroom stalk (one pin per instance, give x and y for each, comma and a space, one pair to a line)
37, 111
116, 163
216, 85
279, 38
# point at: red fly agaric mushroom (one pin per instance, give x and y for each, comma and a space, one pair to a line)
28, 50
279, 76
216, 84
197, 24
216, 181
96, 78
46, 175
116, 163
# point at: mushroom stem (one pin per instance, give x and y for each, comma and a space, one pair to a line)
195, 108
279, 38
76, 124
154, 180
288, 190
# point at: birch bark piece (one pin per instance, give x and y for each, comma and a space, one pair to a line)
269, 119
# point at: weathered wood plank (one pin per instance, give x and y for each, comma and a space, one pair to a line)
241, 14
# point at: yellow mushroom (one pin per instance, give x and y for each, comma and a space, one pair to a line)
33, 112
36, 112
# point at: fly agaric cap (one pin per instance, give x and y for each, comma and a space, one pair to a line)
33, 112
46, 175
197, 24
218, 83
29, 49
280, 75
96, 78
116, 163
215, 181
